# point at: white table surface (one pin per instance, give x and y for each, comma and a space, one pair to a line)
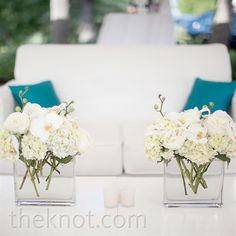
127, 29
159, 220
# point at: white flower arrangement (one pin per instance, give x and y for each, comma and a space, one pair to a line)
194, 138
41, 137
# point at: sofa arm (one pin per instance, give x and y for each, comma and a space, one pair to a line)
233, 107
7, 102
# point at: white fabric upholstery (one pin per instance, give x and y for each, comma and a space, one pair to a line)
132, 29
6, 101
165, 8
233, 107
135, 161
121, 83
104, 156
7, 105
117, 85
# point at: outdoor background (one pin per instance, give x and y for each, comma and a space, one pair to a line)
27, 21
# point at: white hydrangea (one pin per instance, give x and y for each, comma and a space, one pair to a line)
231, 150
33, 148
153, 147
9, 146
65, 141
219, 143
197, 153
167, 154
194, 134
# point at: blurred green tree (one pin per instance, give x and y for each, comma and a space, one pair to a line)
27, 21
20, 21
196, 7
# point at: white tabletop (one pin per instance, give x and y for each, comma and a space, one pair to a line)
159, 220
129, 29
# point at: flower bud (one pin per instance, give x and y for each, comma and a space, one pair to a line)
18, 109
211, 105
156, 107
25, 100
71, 109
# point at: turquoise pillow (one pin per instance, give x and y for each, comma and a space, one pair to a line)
42, 93
203, 92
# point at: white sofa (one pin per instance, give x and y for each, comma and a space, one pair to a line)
115, 88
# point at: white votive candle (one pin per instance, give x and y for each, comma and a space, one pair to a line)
111, 198
127, 197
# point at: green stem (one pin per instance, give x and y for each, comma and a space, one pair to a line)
36, 174
33, 181
41, 168
182, 175
202, 181
54, 169
191, 173
187, 172
49, 178
198, 178
24, 178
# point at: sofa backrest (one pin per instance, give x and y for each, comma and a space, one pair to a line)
121, 83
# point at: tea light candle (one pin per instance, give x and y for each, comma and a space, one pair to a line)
111, 198
127, 197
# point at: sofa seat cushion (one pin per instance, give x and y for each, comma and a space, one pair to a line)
135, 160
105, 154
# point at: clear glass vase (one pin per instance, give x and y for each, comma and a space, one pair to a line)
175, 193
60, 192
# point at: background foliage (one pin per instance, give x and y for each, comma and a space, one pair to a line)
196, 7
27, 21
21, 21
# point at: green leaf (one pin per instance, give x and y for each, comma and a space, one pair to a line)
223, 157
64, 160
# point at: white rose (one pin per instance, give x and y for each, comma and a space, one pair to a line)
84, 141
175, 139
34, 110
197, 133
17, 123
43, 126
217, 123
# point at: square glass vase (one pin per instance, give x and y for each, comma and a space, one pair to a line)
61, 191
174, 192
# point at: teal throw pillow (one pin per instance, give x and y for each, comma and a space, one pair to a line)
42, 93
203, 92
